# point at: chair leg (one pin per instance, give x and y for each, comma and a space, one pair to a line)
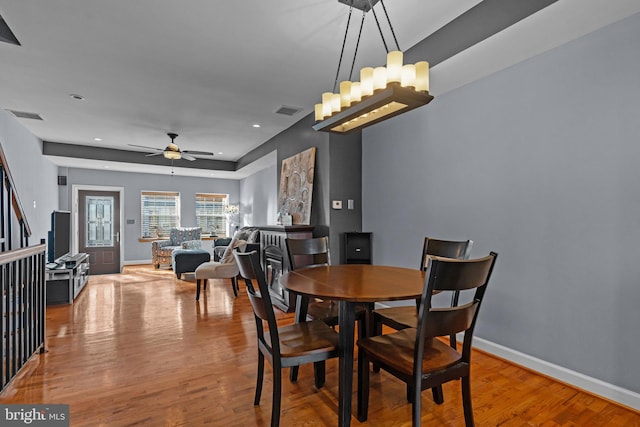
466, 401
256, 400
363, 386
377, 330
277, 395
319, 373
198, 289
205, 284
234, 286
293, 374
415, 405
438, 395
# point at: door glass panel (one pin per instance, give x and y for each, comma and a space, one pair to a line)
99, 221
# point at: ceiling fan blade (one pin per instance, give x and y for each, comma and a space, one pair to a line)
146, 148
153, 154
188, 157
198, 153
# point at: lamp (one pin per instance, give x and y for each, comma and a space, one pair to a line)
381, 93
172, 151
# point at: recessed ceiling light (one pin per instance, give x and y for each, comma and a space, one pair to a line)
220, 152
106, 166
256, 125
77, 97
97, 139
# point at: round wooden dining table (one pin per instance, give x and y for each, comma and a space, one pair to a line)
350, 284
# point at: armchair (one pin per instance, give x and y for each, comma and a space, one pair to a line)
179, 238
250, 234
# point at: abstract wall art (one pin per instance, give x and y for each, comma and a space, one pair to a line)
296, 186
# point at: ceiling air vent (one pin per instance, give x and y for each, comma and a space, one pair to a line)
287, 110
25, 115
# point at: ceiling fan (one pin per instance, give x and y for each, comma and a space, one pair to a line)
173, 152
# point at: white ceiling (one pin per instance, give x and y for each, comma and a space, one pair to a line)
209, 70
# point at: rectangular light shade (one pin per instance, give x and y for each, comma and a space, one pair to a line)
380, 106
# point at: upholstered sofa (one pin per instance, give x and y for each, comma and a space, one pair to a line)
179, 238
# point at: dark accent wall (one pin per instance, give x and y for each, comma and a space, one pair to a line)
346, 183
337, 175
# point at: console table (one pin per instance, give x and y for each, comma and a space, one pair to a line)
275, 259
65, 282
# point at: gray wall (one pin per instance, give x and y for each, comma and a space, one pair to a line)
34, 176
134, 183
538, 162
346, 183
259, 197
333, 153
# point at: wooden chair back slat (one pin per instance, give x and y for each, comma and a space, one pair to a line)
308, 252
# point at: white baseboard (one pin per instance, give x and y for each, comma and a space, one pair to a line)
593, 385
598, 387
138, 262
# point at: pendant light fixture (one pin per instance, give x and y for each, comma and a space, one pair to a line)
381, 93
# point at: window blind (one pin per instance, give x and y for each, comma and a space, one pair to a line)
160, 212
210, 215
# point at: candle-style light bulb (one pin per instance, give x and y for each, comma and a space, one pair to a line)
379, 78
345, 94
408, 76
394, 66
356, 93
422, 76
366, 81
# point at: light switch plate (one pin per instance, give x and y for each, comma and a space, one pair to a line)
337, 204
350, 204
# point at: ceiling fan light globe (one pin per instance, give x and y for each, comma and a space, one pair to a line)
172, 152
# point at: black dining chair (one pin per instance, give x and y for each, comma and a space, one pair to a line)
416, 355
307, 253
407, 316
284, 346
314, 252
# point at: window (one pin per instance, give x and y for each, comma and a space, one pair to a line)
160, 212
210, 214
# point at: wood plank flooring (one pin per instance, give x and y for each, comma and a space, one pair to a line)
137, 349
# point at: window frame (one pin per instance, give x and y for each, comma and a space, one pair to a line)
148, 225
209, 200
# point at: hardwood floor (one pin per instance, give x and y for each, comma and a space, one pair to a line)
137, 349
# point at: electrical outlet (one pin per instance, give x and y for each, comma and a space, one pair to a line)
337, 204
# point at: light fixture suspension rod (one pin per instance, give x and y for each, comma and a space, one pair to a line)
357, 44
344, 42
379, 29
390, 26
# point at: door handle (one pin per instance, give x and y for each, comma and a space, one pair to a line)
118, 237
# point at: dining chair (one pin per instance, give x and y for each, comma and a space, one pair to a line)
307, 253
314, 252
284, 346
407, 316
416, 355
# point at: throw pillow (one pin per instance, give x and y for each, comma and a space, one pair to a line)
254, 237
227, 257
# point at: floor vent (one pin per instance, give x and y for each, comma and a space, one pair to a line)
287, 110
25, 115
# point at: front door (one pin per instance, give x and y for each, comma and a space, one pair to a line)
99, 229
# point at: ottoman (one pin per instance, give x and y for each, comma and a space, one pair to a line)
187, 260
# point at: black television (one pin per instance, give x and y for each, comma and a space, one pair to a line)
59, 242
